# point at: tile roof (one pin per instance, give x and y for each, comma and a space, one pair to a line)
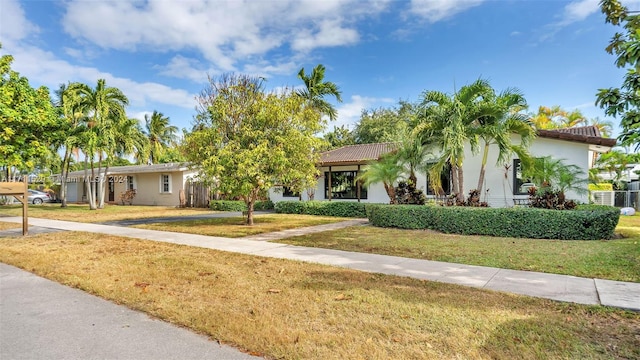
138, 169
355, 154
584, 134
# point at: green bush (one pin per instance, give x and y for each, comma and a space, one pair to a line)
587, 222
263, 205
239, 205
322, 208
228, 205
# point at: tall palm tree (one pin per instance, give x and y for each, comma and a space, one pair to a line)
71, 111
316, 89
105, 108
387, 171
448, 120
160, 134
502, 117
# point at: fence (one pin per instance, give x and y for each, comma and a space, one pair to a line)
629, 198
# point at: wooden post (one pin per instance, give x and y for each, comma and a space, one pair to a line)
20, 192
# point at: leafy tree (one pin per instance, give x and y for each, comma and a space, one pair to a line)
502, 116
615, 163
339, 137
384, 124
625, 45
449, 121
246, 140
386, 170
105, 110
316, 89
555, 117
161, 135
28, 121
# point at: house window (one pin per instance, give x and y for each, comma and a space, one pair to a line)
445, 182
165, 183
521, 184
130, 184
343, 185
287, 192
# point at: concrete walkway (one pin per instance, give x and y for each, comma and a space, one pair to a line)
624, 295
41, 319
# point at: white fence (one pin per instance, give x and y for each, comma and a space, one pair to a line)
629, 198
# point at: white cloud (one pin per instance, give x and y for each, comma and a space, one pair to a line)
15, 25
578, 11
45, 68
186, 68
349, 113
224, 32
436, 10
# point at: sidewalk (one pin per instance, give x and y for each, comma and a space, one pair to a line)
42, 319
624, 295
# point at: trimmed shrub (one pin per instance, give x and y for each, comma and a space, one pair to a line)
587, 222
239, 205
228, 205
263, 205
322, 208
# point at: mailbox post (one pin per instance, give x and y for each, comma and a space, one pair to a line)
19, 191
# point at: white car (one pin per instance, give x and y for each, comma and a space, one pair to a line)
38, 197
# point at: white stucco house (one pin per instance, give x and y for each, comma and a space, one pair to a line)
503, 185
158, 184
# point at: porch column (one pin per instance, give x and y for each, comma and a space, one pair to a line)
358, 184
329, 189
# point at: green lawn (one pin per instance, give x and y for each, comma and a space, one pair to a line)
234, 227
617, 259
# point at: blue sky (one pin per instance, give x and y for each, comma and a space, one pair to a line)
160, 52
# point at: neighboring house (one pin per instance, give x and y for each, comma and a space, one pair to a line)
503, 183
158, 184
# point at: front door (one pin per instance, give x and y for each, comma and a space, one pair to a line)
112, 190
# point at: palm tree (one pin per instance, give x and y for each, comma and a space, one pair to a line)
551, 173
70, 109
316, 89
448, 120
161, 135
387, 171
414, 153
503, 117
105, 108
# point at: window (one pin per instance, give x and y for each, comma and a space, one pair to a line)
287, 192
343, 185
520, 185
165, 183
445, 182
130, 183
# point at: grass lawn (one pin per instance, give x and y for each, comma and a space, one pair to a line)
611, 259
82, 213
7, 225
292, 310
234, 227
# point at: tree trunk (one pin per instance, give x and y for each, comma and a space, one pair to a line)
454, 179
88, 181
460, 183
102, 187
391, 192
65, 175
483, 167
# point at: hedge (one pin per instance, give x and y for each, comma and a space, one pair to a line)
587, 222
238, 205
322, 208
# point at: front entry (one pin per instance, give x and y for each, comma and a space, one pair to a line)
112, 191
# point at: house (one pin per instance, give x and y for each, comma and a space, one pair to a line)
503, 187
158, 184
